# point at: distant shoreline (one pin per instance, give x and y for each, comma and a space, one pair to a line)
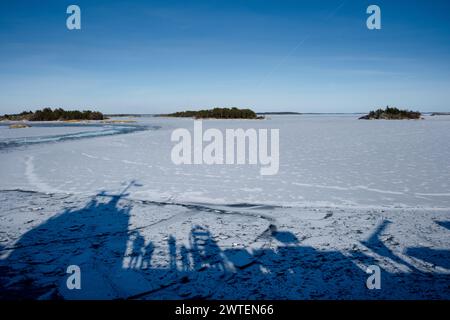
287, 113
150, 115
279, 113
138, 115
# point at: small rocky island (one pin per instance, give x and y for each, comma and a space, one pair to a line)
440, 114
391, 114
47, 114
19, 126
216, 113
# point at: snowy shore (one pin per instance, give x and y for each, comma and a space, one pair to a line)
348, 194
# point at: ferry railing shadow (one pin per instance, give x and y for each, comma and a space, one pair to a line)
116, 262
409, 281
437, 257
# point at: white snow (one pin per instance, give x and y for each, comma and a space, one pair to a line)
349, 193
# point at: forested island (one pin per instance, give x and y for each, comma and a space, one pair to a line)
48, 114
391, 114
216, 113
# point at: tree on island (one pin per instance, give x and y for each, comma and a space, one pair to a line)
47, 114
217, 113
392, 114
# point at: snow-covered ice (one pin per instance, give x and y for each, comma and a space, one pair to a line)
348, 194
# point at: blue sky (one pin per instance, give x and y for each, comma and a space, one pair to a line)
270, 55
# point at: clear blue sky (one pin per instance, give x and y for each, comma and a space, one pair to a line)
270, 55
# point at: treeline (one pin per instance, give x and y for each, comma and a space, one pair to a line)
217, 113
25, 115
47, 114
392, 114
